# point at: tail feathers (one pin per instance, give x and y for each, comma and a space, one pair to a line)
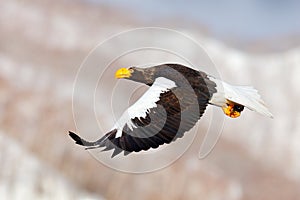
250, 98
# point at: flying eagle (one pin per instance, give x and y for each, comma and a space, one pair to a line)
175, 101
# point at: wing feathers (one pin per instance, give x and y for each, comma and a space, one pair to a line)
162, 115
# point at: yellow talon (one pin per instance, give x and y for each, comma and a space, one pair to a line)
230, 111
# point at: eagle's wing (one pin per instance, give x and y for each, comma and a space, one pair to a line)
163, 114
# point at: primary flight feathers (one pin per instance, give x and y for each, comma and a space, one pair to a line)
175, 101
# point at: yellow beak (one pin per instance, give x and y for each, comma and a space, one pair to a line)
123, 73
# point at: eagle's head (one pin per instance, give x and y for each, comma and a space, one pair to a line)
142, 75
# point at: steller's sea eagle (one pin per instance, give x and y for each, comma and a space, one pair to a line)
175, 101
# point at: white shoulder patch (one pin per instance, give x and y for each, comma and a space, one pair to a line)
141, 107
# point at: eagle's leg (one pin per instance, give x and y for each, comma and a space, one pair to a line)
232, 109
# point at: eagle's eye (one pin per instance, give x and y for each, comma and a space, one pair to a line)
131, 69
238, 107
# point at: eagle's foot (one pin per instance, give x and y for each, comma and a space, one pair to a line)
232, 109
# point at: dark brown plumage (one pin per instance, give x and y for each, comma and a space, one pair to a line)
177, 110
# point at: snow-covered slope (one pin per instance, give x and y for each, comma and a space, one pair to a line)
42, 45
23, 176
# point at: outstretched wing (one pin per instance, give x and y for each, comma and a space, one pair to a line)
163, 114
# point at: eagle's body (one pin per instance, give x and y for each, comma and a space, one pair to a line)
175, 101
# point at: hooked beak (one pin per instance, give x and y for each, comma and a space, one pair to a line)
123, 73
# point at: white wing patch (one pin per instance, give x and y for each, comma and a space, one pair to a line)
141, 107
244, 95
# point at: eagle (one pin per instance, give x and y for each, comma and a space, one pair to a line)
176, 99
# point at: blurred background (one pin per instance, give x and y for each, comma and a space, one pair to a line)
43, 43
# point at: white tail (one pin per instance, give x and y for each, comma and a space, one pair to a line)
247, 96
244, 95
